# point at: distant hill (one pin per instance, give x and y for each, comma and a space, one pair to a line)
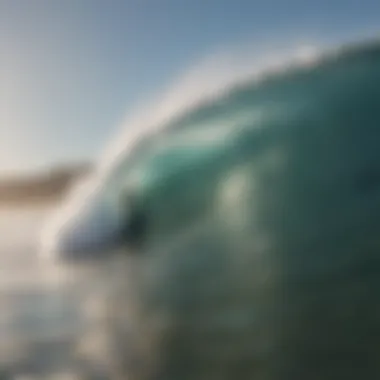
45, 187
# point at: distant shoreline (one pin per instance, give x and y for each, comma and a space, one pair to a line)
42, 189
28, 203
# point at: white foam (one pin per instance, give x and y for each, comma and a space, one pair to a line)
205, 82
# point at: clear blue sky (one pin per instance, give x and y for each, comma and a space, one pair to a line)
71, 69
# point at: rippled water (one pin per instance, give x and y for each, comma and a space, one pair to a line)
39, 314
51, 320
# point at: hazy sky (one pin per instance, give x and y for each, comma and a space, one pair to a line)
71, 70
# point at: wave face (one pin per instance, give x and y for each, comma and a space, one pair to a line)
248, 227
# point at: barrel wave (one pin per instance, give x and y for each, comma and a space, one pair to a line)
245, 228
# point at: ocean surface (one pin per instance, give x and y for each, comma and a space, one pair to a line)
40, 317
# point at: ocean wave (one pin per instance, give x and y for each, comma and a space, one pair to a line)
208, 85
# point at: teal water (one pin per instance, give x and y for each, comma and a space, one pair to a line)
257, 215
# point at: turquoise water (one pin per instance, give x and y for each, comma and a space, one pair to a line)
261, 203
